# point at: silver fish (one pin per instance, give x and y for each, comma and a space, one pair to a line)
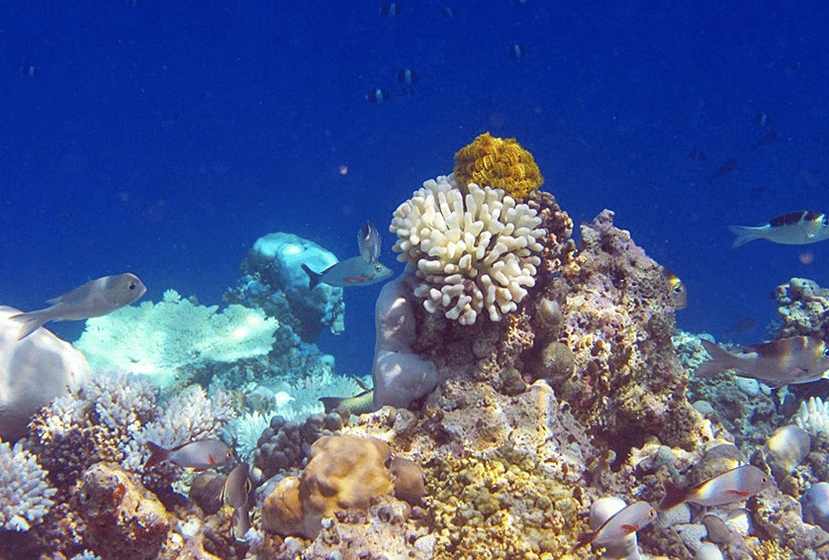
796, 228
199, 455
797, 359
626, 522
351, 272
95, 298
735, 485
368, 239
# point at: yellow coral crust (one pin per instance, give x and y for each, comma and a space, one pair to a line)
499, 163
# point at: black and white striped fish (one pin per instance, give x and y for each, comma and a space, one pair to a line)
796, 228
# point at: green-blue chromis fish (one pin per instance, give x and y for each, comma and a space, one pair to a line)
734, 485
624, 523
679, 294
95, 298
351, 272
796, 359
796, 228
368, 239
199, 455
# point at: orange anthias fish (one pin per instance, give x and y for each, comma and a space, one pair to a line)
728, 167
734, 485
198, 455
619, 526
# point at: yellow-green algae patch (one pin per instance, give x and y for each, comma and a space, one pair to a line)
501, 504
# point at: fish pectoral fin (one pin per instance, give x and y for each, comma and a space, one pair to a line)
741, 493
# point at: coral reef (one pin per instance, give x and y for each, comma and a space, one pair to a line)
171, 340
284, 445
33, 371
273, 280
343, 472
122, 518
803, 308
568, 396
617, 318
25, 494
498, 163
473, 252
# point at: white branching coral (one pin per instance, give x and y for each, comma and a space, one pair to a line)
472, 251
25, 494
160, 339
813, 416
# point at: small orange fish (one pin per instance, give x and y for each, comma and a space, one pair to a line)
728, 167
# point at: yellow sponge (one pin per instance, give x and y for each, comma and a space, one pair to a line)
499, 163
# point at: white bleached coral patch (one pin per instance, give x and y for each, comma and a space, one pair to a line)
25, 495
813, 416
473, 252
160, 339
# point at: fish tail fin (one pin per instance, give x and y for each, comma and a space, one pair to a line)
720, 360
744, 235
157, 454
583, 539
313, 277
29, 323
331, 403
674, 495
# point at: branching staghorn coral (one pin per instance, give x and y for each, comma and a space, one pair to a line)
25, 494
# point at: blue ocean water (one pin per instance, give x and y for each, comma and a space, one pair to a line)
164, 138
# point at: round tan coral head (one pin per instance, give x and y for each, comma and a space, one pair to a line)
499, 163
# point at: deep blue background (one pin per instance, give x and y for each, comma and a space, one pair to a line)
164, 138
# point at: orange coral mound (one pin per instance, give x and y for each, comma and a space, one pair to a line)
500, 163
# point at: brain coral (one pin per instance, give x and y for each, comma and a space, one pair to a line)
472, 252
500, 163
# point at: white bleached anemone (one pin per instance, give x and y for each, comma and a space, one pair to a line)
473, 251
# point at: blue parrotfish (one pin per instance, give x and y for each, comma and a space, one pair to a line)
796, 359
624, 523
199, 455
734, 485
795, 228
94, 299
368, 239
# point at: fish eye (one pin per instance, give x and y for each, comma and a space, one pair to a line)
132, 285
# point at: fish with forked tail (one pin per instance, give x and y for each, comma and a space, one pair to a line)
796, 359
94, 299
626, 522
794, 228
198, 455
734, 485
